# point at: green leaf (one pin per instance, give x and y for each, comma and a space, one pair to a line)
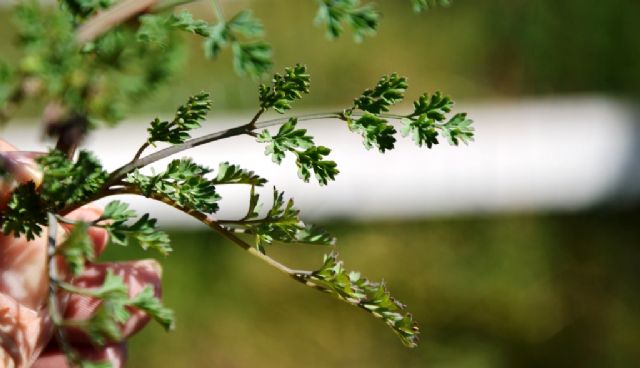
312, 160
422, 5
281, 223
77, 249
219, 37
459, 129
153, 29
66, 182
188, 117
334, 14
422, 130
312, 234
371, 296
285, 89
375, 131
183, 182
434, 107
104, 325
233, 174
429, 115
84, 8
252, 58
246, 25
24, 214
288, 139
147, 302
143, 231
117, 211
389, 90
184, 21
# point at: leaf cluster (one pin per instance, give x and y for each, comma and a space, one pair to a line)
66, 182
310, 158
24, 214
369, 117
428, 120
422, 5
234, 174
115, 309
281, 223
375, 129
188, 117
371, 296
335, 14
143, 231
183, 182
285, 89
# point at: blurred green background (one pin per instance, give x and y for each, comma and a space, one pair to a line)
520, 290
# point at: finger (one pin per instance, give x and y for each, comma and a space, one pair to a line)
5, 146
21, 166
54, 358
99, 236
137, 275
18, 167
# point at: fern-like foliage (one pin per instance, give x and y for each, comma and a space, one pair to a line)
98, 78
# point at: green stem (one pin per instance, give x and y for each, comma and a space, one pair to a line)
217, 10
54, 307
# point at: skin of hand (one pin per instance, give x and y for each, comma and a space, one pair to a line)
25, 327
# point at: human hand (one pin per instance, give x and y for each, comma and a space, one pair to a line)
25, 326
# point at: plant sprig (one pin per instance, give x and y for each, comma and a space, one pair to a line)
76, 60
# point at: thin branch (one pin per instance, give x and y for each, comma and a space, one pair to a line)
254, 120
170, 4
247, 129
54, 307
136, 157
298, 275
115, 15
159, 155
217, 9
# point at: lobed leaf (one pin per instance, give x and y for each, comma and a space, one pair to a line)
66, 182
375, 131
285, 89
24, 214
422, 5
77, 249
310, 158
370, 296
459, 129
334, 14
233, 174
183, 182
143, 231
389, 90
188, 117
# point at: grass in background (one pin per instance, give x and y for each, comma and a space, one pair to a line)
520, 291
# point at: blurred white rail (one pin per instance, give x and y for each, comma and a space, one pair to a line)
560, 154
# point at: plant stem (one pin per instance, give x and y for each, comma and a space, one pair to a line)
299, 275
247, 129
159, 155
106, 20
54, 307
140, 150
217, 9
